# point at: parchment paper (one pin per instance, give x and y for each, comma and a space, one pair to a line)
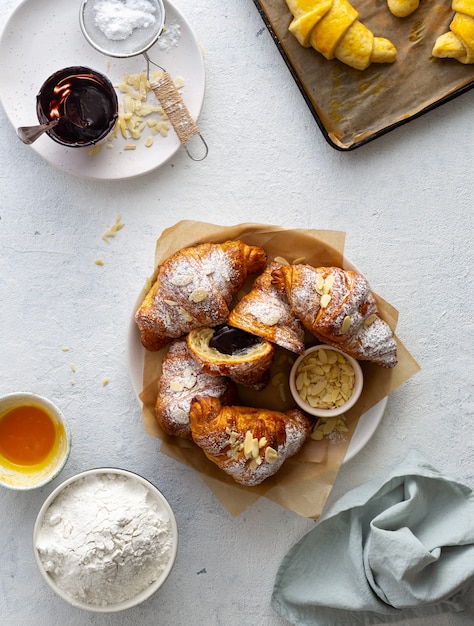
304, 482
353, 106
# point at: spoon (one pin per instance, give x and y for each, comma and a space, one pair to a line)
29, 134
73, 114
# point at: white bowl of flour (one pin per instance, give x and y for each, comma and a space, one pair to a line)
105, 540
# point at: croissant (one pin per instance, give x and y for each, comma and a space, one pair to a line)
331, 27
181, 379
458, 43
402, 8
266, 312
227, 351
194, 288
248, 444
338, 308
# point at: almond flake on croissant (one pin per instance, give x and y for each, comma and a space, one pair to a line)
458, 43
248, 444
266, 312
331, 27
194, 288
338, 308
182, 379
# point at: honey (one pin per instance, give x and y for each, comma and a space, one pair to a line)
28, 435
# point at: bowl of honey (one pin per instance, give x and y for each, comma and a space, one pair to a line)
35, 440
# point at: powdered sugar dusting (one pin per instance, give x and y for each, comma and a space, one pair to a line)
182, 379
349, 297
258, 310
284, 432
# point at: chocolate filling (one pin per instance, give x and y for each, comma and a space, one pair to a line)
228, 340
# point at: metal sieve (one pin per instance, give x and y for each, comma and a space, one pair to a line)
131, 42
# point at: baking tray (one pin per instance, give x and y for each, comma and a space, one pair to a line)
353, 107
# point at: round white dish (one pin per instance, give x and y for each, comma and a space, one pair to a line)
324, 412
147, 592
35, 476
43, 36
366, 426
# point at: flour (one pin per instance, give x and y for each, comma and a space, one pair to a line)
117, 20
105, 539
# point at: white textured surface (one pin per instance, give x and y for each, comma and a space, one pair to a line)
405, 202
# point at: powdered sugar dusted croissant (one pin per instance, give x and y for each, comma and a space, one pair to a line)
194, 288
458, 43
338, 307
231, 352
182, 379
331, 27
266, 312
248, 444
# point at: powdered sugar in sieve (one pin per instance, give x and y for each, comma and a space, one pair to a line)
127, 28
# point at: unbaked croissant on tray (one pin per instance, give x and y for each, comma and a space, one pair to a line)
332, 28
194, 288
338, 308
248, 444
458, 42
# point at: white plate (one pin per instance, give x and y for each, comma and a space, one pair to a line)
366, 426
43, 36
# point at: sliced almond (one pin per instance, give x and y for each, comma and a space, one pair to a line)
181, 280
271, 319
248, 444
346, 324
176, 386
271, 455
319, 283
325, 299
328, 283
198, 295
370, 320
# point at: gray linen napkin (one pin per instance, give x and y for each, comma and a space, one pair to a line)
391, 549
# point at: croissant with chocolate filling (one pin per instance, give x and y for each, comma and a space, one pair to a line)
331, 27
248, 444
195, 288
226, 351
338, 307
266, 312
182, 379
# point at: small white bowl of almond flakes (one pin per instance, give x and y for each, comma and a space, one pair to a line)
326, 382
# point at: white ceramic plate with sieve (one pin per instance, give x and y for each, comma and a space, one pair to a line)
43, 36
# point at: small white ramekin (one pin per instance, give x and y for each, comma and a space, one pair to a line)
30, 477
150, 589
324, 412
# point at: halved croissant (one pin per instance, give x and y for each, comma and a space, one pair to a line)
458, 43
245, 365
338, 308
266, 312
331, 27
182, 379
248, 444
194, 288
